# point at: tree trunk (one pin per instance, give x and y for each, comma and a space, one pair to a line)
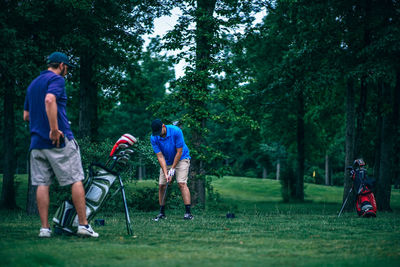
300, 147
140, 170
361, 109
386, 158
396, 122
278, 169
326, 169
197, 183
265, 174
88, 120
350, 129
204, 35
31, 204
377, 159
8, 190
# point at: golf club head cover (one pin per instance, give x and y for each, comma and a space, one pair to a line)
125, 139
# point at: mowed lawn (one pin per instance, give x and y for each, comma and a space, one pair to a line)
264, 232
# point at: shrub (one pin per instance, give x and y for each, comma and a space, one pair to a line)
337, 178
98, 152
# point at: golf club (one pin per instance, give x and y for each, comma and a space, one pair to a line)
165, 193
128, 151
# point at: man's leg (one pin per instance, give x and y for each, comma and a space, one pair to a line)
162, 185
161, 191
182, 173
186, 200
43, 200
78, 198
185, 193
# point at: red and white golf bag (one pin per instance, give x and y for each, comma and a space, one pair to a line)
365, 199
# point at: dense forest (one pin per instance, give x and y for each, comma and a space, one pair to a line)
296, 97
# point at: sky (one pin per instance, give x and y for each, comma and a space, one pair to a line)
165, 23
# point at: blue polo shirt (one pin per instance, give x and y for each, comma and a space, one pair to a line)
46, 82
167, 145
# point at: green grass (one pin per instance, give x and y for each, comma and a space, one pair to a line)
265, 232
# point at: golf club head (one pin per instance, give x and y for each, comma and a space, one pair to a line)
122, 146
120, 153
128, 151
123, 159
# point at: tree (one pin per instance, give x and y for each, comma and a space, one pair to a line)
105, 36
98, 34
194, 96
144, 84
23, 45
288, 57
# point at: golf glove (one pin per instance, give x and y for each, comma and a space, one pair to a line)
171, 172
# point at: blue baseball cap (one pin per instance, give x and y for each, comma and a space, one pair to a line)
58, 57
156, 127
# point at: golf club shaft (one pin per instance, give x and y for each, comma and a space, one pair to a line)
165, 193
345, 201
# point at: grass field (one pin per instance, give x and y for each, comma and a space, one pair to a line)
265, 232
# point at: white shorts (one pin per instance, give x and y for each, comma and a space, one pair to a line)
63, 163
181, 172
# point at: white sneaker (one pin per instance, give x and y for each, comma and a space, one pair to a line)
87, 231
45, 232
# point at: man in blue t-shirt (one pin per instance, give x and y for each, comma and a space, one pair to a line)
173, 155
53, 149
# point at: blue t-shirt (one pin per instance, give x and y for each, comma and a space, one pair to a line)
167, 145
46, 82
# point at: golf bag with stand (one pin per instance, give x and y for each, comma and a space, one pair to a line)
97, 187
362, 186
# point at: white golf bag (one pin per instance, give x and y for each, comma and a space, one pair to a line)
97, 187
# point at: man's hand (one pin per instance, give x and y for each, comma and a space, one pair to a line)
171, 172
26, 115
55, 137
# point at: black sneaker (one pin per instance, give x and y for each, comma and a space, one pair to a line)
188, 216
159, 217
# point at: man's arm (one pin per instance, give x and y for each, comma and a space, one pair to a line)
177, 157
26, 115
163, 165
51, 110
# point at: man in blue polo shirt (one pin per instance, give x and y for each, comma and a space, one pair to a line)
174, 159
53, 150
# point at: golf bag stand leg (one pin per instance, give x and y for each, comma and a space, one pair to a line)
128, 220
345, 201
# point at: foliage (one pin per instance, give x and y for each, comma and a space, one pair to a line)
239, 99
207, 97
